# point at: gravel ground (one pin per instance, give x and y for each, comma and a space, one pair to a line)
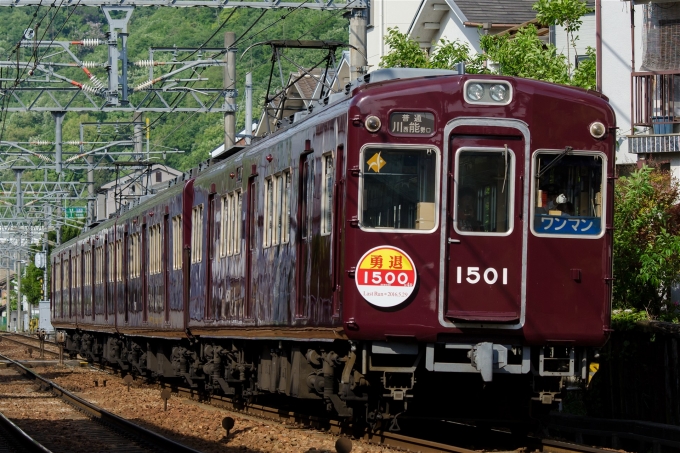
186, 421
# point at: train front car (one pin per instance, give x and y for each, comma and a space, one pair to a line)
478, 240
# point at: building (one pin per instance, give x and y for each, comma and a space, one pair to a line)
384, 14
465, 20
653, 133
128, 189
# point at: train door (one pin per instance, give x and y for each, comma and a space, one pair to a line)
144, 273
485, 227
304, 221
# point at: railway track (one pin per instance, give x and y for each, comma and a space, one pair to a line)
14, 440
89, 423
414, 443
31, 343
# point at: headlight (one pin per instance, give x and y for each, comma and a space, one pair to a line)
475, 91
597, 129
498, 93
487, 92
372, 124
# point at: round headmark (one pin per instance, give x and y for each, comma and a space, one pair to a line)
385, 276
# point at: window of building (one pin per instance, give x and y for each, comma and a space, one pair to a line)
484, 189
398, 187
177, 242
567, 194
197, 234
159, 176
327, 195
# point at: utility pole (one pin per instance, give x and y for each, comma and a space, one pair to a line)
20, 319
8, 308
249, 107
229, 84
357, 43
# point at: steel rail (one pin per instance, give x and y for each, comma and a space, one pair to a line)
14, 340
118, 423
20, 438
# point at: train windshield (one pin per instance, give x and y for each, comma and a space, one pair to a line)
398, 187
568, 193
485, 184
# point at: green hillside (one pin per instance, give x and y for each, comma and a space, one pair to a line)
196, 134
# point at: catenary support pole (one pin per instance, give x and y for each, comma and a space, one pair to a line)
229, 84
20, 318
249, 107
357, 42
58, 123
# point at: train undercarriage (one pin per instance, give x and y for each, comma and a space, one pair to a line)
371, 382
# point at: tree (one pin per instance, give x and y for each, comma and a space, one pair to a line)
520, 55
566, 14
407, 53
646, 241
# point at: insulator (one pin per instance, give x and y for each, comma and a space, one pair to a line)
96, 82
90, 64
40, 143
92, 42
90, 89
145, 63
144, 86
73, 142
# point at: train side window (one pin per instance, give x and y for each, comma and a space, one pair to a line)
155, 244
268, 212
399, 188
67, 275
99, 265
567, 196
327, 195
224, 226
119, 260
111, 261
197, 234
285, 207
87, 267
236, 228
177, 242
484, 191
133, 256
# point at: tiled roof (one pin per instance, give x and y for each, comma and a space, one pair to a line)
497, 11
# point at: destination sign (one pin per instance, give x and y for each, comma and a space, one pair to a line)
412, 123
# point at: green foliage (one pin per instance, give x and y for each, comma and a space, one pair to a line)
624, 320
404, 52
521, 55
646, 241
524, 55
31, 284
407, 53
565, 13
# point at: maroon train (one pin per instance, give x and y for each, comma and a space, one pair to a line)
421, 235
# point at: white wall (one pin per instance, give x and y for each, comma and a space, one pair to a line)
584, 37
387, 14
616, 58
453, 30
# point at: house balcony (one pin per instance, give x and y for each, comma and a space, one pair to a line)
655, 114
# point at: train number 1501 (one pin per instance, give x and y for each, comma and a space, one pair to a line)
474, 275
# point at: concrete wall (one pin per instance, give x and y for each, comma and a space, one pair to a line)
616, 59
387, 14
454, 30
